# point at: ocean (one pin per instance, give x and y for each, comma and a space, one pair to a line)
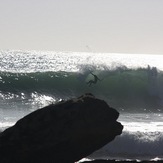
131, 83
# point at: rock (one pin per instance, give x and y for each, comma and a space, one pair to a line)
60, 133
123, 161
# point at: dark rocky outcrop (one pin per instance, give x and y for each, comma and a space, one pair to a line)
125, 161
60, 133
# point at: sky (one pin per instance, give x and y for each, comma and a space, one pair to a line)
112, 26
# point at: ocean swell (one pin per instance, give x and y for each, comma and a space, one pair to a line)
131, 89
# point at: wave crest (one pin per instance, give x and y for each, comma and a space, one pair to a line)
122, 88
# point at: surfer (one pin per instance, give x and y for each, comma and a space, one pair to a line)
93, 81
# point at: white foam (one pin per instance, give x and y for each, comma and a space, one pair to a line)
142, 122
142, 138
136, 145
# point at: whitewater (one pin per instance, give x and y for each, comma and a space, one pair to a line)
131, 83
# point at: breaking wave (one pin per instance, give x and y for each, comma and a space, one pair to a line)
122, 87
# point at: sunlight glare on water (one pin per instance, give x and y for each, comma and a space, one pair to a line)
35, 61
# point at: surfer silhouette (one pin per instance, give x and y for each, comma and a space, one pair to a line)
90, 82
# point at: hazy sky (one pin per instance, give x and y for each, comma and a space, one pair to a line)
132, 26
